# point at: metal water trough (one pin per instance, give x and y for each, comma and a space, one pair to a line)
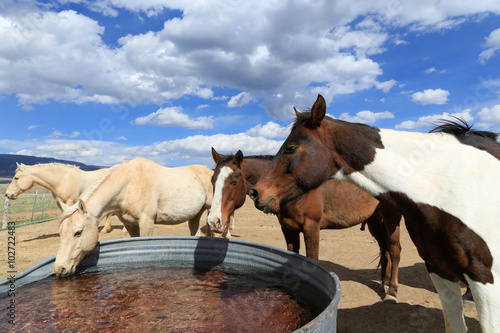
298, 273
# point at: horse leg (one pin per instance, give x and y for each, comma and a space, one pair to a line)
486, 298
107, 225
132, 229
387, 237
451, 301
391, 220
311, 238
292, 237
194, 223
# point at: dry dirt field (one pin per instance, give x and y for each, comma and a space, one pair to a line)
349, 253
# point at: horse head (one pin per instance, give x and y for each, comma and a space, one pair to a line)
229, 190
21, 182
78, 235
302, 163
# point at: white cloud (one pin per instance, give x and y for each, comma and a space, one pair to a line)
271, 130
239, 100
33, 127
431, 96
173, 116
214, 44
430, 70
58, 134
123, 138
432, 119
492, 45
490, 116
366, 117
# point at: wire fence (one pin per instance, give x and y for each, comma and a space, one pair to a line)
33, 206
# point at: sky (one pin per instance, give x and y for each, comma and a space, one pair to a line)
101, 82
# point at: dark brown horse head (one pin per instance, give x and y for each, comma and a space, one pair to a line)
229, 189
294, 170
311, 155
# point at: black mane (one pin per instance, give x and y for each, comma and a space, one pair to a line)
460, 129
230, 157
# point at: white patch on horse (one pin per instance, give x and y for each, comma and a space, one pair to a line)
437, 170
216, 209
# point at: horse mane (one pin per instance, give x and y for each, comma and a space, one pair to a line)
89, 192
229, 157
461, 129
23, 167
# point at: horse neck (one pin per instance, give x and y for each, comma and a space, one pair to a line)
106, 198
53, 177
253, 168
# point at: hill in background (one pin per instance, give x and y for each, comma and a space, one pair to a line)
8, 163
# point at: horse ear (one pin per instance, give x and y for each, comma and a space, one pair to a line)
63, 205
81, 207
297, 113
215, 155
239, 157
318, 111
18, 165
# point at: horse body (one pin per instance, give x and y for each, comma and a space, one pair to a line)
333, 205
445, 188
140, 193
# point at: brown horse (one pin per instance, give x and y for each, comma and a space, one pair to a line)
444, 183
333, 205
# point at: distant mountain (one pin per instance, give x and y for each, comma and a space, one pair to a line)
8, 163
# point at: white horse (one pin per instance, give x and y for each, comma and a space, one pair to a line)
65, 182
140, 193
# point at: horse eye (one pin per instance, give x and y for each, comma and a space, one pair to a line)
290, 149
78, 233
16, 178
233, 182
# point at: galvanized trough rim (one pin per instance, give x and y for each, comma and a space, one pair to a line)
207, 251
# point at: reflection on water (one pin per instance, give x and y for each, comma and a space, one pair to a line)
161, 300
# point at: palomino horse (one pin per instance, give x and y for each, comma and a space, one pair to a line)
445, 184
140, 193
66, 182
333, 205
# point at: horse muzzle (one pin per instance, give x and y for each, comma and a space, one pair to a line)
268, 207
216, 225
11, 196
63, 270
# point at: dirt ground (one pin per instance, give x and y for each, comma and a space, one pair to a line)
349, 253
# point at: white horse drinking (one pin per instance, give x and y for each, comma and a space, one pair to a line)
140, 193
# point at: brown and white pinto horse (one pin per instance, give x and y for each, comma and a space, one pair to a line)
445, 184
333, 205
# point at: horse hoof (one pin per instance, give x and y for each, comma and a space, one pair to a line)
390, 299
386, 288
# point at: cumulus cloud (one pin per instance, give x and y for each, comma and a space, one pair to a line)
431, 120
271, 130
492, 45
366, 117
430, 96
489, 116
239, 100
213, 44
173, 116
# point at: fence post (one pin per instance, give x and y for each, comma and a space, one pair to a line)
5, 213
34, 204
43, 204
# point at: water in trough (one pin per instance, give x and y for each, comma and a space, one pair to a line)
154, 300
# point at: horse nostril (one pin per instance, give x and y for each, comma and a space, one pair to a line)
253, 194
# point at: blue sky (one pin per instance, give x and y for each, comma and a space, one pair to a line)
105, 81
